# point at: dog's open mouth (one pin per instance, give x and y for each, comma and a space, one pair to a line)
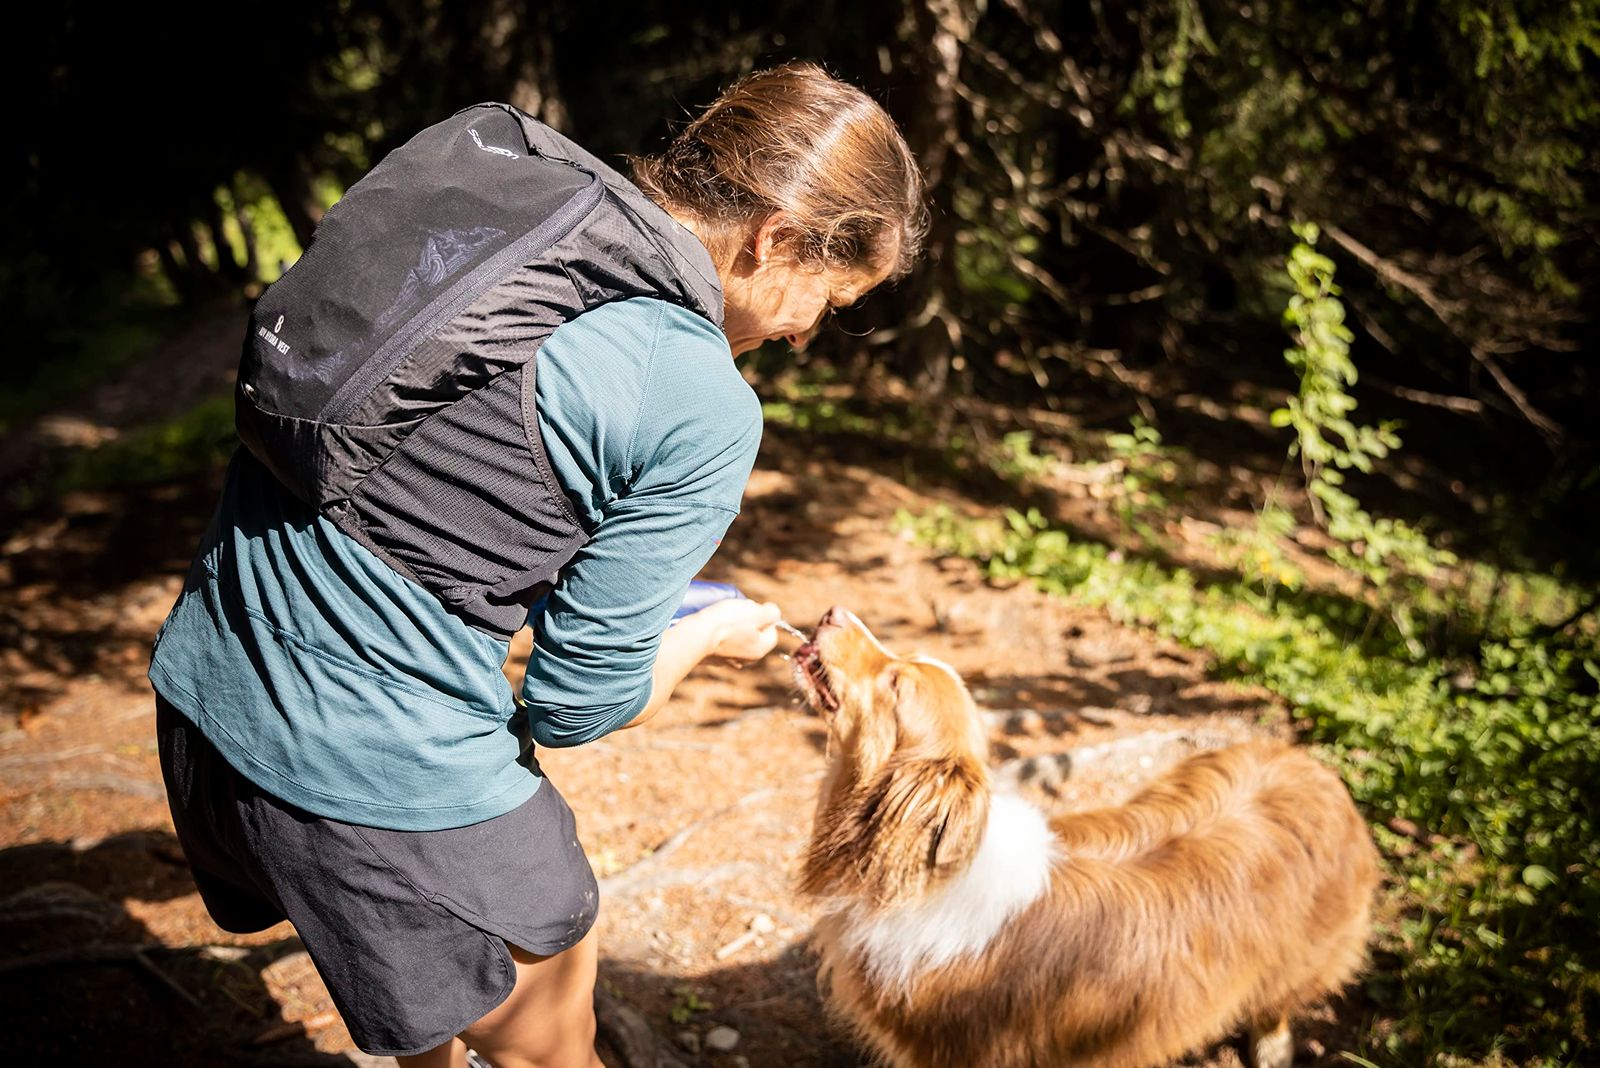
813, 678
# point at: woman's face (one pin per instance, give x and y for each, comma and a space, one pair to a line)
770, 296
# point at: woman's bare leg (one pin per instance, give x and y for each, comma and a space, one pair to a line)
548, 1021
453, 1054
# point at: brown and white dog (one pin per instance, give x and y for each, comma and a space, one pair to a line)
966, 930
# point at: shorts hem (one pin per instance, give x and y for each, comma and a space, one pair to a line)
233, 927
538, 947
508, 970
499, 936
548, 949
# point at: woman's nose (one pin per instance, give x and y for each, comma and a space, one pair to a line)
798, 341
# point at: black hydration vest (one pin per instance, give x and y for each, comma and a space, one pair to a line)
388, 377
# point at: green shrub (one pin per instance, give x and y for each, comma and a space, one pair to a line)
198, 440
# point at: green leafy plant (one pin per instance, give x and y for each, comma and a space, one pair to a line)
686, 1004
1256, 552
1017, 459
199, 439
1146, 466
1394, 557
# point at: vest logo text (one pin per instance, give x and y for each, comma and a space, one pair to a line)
271, 336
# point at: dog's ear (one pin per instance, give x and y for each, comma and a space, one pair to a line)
923, 820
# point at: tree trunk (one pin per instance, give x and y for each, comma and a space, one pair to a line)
942, 28
227, 265
516, 41
291, 184
247, 231
196, 277
173, 269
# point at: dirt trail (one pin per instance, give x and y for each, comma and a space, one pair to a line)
693, 823
192, 364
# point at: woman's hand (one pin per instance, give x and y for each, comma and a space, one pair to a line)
736, 628
744, 630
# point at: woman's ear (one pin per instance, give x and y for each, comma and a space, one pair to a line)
764, 239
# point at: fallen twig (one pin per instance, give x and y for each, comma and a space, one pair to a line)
141, 958
136, 954
72, 752
658, 744
296, 1028
1050, 770
659, 880
79, 956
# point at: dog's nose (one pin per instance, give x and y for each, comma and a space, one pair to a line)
833, 617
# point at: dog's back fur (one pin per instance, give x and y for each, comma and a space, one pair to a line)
1233, 891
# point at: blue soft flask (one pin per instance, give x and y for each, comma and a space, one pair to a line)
701, 593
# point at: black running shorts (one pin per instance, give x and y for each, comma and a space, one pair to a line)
407, 928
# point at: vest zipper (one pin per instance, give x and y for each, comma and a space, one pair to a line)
454, 301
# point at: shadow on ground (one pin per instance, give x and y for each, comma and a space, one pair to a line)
774, 1006
83, 982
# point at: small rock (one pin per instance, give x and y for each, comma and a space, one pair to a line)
741, 1061
760, 924
722, 1039
689, 1041
226, 954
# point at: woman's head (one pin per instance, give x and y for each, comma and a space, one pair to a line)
804, 192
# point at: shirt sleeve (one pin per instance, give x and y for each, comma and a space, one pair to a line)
691, 453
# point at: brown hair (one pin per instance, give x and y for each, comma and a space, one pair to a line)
796, 141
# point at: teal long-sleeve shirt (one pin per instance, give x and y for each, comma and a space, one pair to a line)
342, 687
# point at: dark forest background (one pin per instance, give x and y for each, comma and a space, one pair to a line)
1113, 184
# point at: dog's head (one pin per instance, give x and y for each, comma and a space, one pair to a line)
907, 795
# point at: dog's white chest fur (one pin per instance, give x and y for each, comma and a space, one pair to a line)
1010, 871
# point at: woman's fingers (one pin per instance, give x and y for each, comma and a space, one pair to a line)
749, 628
